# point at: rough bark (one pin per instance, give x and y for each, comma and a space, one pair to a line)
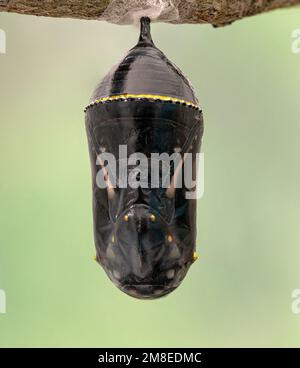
216, 12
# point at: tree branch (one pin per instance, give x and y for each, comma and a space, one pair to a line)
216, 12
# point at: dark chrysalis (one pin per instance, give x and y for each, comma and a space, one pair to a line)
142, 110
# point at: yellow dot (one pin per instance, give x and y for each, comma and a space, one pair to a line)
195, 257
126, 218
113, 238
170, 238
152, 217
95, 258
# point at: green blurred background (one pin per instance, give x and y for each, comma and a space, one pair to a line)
239, 291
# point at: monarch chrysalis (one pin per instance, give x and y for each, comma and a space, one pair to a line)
145, 236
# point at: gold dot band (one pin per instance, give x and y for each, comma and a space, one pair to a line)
127, 96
